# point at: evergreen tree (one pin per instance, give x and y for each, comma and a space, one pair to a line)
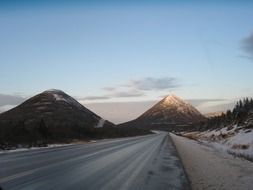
239, 113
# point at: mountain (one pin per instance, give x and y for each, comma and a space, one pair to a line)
169, 111
172, 110
51, 114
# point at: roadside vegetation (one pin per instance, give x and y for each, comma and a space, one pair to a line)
19, 135
231, 132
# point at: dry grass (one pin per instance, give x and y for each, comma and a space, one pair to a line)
191, 135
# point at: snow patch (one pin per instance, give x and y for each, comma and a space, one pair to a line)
210, 169
173, 107
54, 91
100, 123
61, 96
34, 148
235, 140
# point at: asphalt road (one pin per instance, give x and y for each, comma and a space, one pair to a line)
146, 162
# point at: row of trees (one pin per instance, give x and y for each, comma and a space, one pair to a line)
41, 133
237, 115
14, 133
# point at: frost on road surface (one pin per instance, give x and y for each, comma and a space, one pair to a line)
208, 168
146, 162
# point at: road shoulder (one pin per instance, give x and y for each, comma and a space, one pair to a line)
209, 169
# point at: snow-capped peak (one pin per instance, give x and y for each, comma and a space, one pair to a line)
54, 91
173, 109
62, 96
172, 99
175, 101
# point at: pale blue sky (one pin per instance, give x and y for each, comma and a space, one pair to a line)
83, 47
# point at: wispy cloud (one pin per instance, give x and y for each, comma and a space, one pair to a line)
200, 102
125, 94
114, 94
137, 88
94, 98
151, 83
247, 45
109, 88
222, 107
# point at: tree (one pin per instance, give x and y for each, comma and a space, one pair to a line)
229, 115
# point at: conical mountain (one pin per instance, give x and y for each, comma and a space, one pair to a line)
172, 110
53, 112
167, 114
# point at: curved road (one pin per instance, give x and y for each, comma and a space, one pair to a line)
146, 162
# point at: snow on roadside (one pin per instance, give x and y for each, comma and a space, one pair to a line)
155, 131
235, 140
34, 148
210, 169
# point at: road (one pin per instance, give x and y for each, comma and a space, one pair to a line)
145, 162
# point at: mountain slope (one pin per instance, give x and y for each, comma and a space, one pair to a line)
169, 111
52, 114
172, 110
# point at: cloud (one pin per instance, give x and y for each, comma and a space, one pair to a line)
247, 45
200, 102
125, 94
152, 84
223, 107
136, 88
10, 100
114, 94
109, 88
95, 98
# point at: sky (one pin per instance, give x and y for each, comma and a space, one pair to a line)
120, 57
